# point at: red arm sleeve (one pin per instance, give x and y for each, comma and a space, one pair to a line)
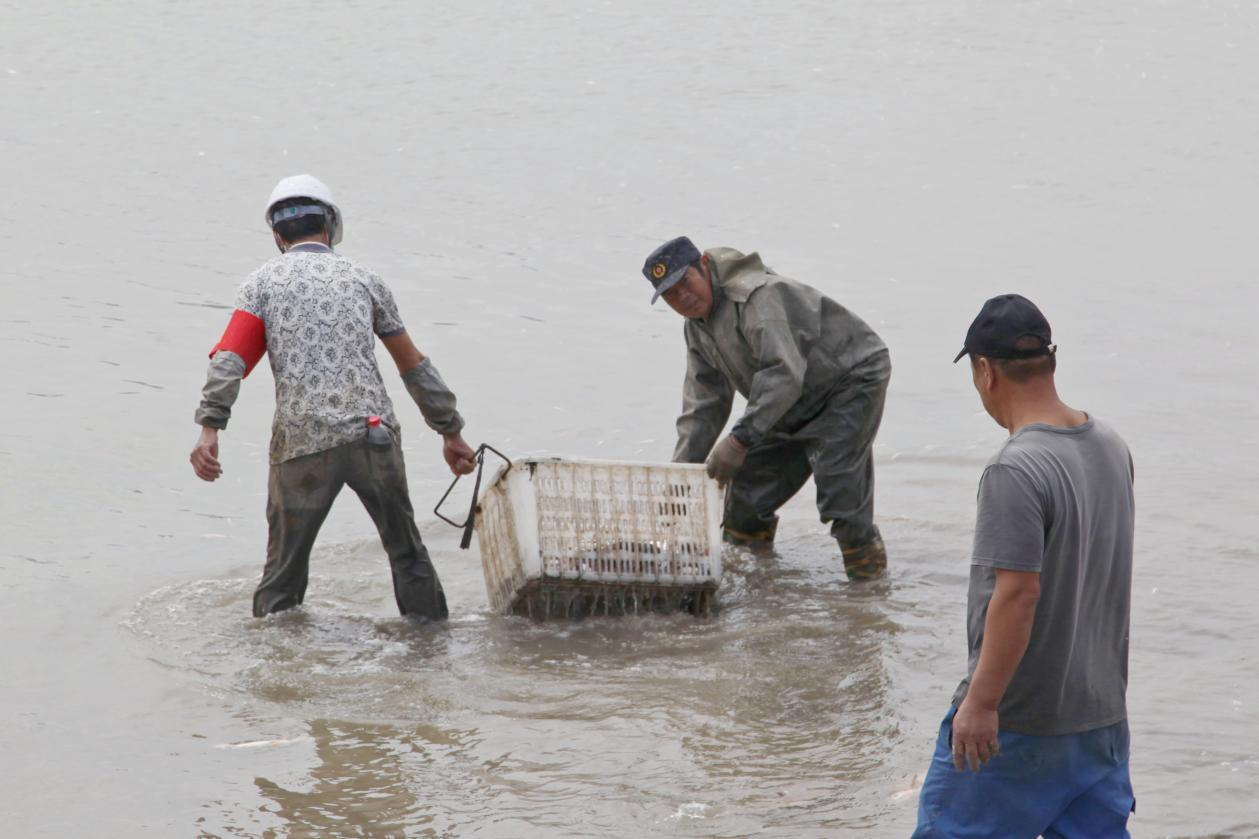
246, 335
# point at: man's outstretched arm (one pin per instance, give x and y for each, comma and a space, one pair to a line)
707, 397
435, 400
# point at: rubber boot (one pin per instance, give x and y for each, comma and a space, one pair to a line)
759, 540
865, 562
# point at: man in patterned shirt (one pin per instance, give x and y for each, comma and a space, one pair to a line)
316, 314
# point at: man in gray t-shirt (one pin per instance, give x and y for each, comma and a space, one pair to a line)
1058, 502
1042, 709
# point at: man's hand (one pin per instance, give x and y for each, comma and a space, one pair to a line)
974, 736
205, 455
725, 459
459, 455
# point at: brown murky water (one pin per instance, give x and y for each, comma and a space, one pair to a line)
506, 167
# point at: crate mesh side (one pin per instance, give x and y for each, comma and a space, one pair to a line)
501, 560
619, 522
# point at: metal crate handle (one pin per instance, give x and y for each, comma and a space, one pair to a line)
467, 524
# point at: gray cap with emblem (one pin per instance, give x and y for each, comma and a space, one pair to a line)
667, 264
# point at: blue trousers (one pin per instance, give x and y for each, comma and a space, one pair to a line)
1073, 786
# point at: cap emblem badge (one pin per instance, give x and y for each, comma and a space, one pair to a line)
659, 270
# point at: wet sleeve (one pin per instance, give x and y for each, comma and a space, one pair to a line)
435, 400
241, 346
1010, 523
222, 386
706, 399
778, 382
385, 318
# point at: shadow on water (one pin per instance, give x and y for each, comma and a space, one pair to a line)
368, 779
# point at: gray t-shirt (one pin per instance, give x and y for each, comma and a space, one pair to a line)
1059, 501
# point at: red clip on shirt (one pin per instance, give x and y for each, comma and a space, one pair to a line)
246, 335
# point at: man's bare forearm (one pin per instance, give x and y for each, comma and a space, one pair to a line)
403, 351
425, 385
1007, 629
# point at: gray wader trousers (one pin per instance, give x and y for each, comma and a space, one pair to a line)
300, 493
835, 448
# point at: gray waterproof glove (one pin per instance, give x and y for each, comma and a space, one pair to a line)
436, 401
725, 459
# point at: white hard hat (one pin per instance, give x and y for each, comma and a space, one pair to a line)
307, 186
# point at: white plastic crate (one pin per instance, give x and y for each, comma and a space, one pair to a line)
592, 536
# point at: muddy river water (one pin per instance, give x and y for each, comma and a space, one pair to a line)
506, 167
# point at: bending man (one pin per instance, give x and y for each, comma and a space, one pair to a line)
815, 376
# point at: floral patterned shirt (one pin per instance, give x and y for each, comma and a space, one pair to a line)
321, 311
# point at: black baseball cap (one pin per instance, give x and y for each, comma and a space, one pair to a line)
667, 264
1002, 324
